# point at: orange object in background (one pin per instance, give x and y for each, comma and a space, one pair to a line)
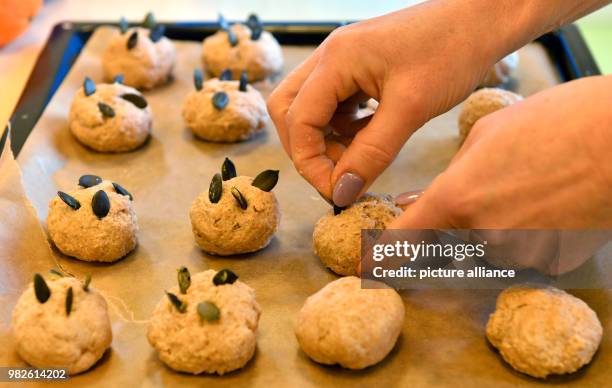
15, 17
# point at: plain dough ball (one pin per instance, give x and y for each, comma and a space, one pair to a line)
502, 71
46, 337
146, 65
81, 234
481, 103
128, 130
543, 331
244, 116
223, 228
345, 324
186, 343
259, 58
337, 239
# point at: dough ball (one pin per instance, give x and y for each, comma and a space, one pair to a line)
543, 331
145, 65
259, 58
46, 337
82, 234
502, 71
244, 115
128, 129
337, 238
481, 103
347, 325
188, 343
224, 228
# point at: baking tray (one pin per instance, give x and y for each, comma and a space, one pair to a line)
565, 46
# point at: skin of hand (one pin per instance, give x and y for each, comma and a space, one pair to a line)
418, 63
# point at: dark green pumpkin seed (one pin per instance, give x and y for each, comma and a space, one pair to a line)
223, 24
89, 180
69, 200
184, 279
253, 21
123, 25
55, 272
363, 104
41, 290
232, 39
198, 79
132, 40
244, 81
149, 21
86, 282
256, 33
69, 298
119, 79
216, 188
225, 276
228, 170
239, 198
121, 190
176, 302
226, 75
266, 180
220, 100
89, 87
338, 210
208, 311
157, 33
100, 204
106, 110
136, 99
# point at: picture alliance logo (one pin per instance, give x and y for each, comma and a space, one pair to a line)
424, 250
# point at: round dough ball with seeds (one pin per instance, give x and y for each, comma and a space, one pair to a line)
219, 343
502, 71
142, 62
225, 228
260, 58
237, 116
47, 335
337, 238
110, 117
543, 330
481, 103
96, 223
348, 325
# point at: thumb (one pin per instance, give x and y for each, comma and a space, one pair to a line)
375, 146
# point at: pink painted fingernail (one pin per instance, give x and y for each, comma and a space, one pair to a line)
408, 197
347, 189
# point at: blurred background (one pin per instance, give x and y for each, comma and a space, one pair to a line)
18, 56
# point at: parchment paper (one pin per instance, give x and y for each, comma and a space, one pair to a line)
442, 342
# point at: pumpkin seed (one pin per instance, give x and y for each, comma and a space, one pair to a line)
253, 21
89, 87
157, 33
135, 99
363, 104
123, 25
266, 180
69, 200
55, 272
228, 170
132, 40
216, 188
184, 279
106, 110
223, 24
100, 204
225, 276
86, 282
149, 21
231, 37
220, 100
338, 210
198, 79
119, 79
69, 297
176, 302
208, 311
120, 190
89, 180
226, 75
256, 33
239, 198
41, 290
244, 81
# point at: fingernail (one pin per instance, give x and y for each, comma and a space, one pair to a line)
347, 189
408, 197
